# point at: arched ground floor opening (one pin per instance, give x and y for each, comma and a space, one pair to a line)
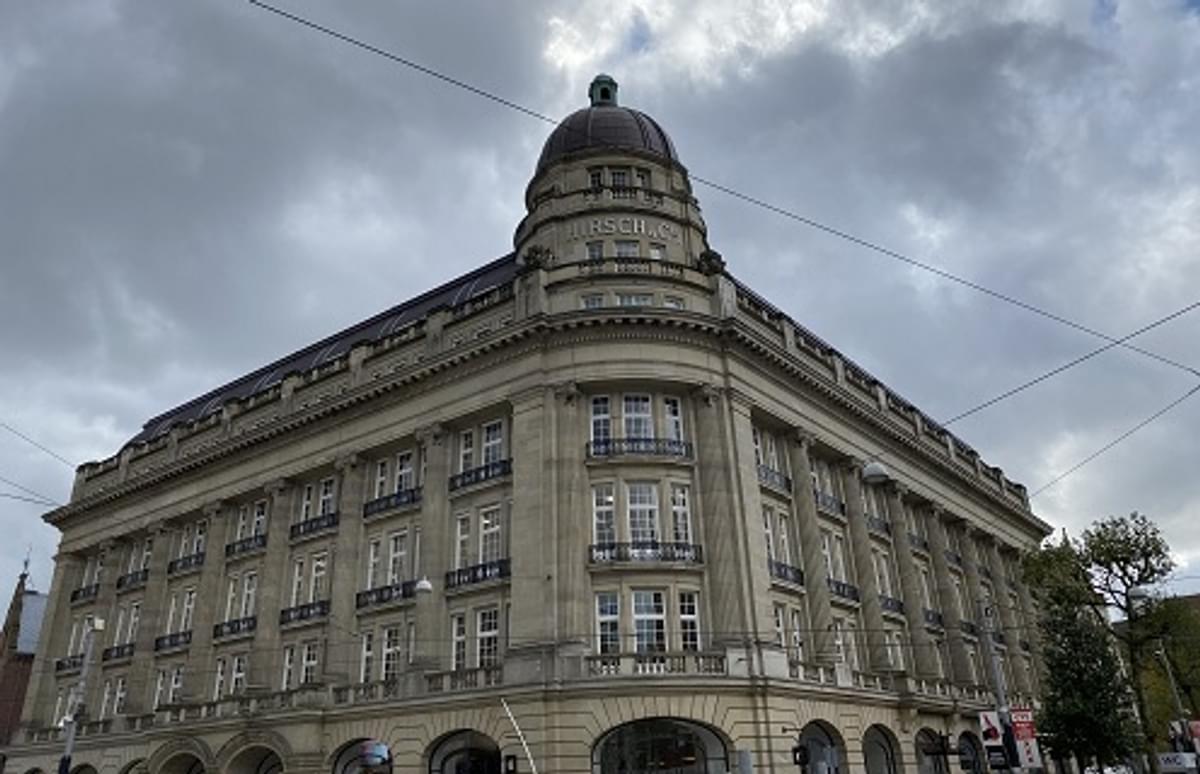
929, 759
881, 751
255, 759
970, 754
662, 746
465, 752
826, 749
362, 756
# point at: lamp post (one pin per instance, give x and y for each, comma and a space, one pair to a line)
76, 705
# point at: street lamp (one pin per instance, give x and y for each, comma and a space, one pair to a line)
75, 707
424, 586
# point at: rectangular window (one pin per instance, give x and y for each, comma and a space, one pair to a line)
643, 178
189, 606
243, 523
249, 594
119, 697
487, 637
657, 252
185, 541
397, 556
287, 679
405, 479
591, 301
883, 577
160, 689
493, 442
466, 450
596, 178
411, 639
391, 653
642, 501
628, 248
147, 553
306, 503
639, 423
768, 517
366, 659
608, 623
326, 505
681, 518
839, 556
237, 675
620, 178
310, 662
770, 452
783, 541
199, 535
604, 527
231, 591
595, 251
674, 413
135, 615
689, 621
673, 302
381, 478
104, 701
118, 630
839, 641
462, 545
649, 622
458, 641
780, 634
259, 526
756, 438
490, 539
316, 581
219, 680
960, 598
926, 589
601, 419
176, 694
635, 299
797, 652
374, 560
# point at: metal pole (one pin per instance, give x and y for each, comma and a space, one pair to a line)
1001, 690
520, 735
77, 702
1184, 717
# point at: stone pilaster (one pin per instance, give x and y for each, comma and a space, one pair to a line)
56, 627
436, 535
105, 608
922, 659
1030, 633
1006, 617
210, 603
344, 571
266, 663
960, 668
819, 645
573, 514
868, 584
151, 620
975, 593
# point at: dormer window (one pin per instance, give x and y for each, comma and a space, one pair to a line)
627, 248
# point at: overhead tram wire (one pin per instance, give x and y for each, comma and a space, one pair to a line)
810, 222
29, 491
24, 499
32, 442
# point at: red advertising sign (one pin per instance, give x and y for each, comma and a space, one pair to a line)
1026, 735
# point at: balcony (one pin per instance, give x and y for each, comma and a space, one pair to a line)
954, 558
488, 472
381, 595
235, 626
917, 541
891, 604
309, 611
464, 679
189, 563
691, 663
969, 628
401, 499
774, 479
68, 664
829, 503
645, 551
479, 573
314, 526
785, 572
643, 447
85, 593
133, 580
117, 652
173, 641
844, 590
877, 525
934, 618
246, 545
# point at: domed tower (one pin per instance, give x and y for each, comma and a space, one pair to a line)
610, 184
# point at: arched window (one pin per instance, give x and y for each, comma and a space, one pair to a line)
363, 756
970, 753
826, 751
465, 752
662, 746
930, 757
880, 751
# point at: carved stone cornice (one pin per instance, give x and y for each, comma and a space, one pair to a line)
433, 433
212, 509
346, 462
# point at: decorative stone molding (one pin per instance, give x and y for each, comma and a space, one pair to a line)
433, 433
212, 509
276, 487
568, 392
257, 737
708, 394
537, 257
346, 462
710, 262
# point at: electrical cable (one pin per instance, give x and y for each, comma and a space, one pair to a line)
830, 230
22, 498
29, 491
27, 439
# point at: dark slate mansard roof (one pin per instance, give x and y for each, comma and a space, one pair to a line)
453, 294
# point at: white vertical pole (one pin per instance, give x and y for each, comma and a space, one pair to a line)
520, 735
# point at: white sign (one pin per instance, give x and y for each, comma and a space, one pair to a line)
1177, 761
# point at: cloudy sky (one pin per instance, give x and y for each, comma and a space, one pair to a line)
188, 191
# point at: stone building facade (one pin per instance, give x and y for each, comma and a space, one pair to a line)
598, 484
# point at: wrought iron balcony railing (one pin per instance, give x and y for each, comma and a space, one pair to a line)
307, 612
645, 551
829, 503
173, 640
479, 573
891, 604
953, 557
133, 580
235, 626
186, 563
84, 593
918, 541
785, 572
774, 479
878, 525
117, 652
69, 664
651, 447
400, 499
381, 595
934, 618
841, 588
246, 545
325, 521
497, 469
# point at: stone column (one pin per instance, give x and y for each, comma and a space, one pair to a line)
105, 607
819, 644
436, 535
210, 604
1030, 633
971, 566
151, 619
960, 668
56, 627
344, 572
274, 584
923, 660
573, 516
1007, 617
868, 584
